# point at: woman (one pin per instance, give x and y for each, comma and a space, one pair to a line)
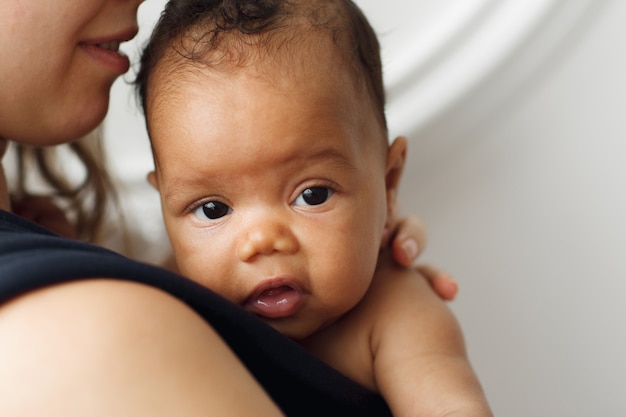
84, 331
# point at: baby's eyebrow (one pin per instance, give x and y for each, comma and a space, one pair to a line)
176, 187
180, 189
331, 155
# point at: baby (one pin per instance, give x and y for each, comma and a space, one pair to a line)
277, 183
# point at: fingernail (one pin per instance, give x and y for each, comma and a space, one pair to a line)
410, 248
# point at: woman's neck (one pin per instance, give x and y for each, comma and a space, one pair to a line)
4, 189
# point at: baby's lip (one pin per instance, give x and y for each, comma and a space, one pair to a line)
275, 298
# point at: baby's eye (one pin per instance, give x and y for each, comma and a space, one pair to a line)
212, 210
313, 196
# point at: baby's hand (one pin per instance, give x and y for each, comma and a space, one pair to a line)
440, 281
407, 242
43, 211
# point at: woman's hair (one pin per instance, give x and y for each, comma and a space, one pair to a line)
84, 197
203, 30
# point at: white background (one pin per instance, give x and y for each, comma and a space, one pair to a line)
516, 114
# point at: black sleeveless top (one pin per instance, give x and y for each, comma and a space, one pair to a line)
300, 384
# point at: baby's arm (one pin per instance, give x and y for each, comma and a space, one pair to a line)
420, 363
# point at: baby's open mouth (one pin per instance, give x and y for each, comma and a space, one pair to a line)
275, 301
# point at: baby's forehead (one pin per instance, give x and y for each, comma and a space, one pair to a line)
296, 47
284, 71
293, 53
280, 76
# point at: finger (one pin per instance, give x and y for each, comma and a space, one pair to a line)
440, 281
409, 240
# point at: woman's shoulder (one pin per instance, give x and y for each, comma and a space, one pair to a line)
119, 348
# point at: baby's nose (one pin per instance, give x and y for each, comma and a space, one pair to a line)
265, 238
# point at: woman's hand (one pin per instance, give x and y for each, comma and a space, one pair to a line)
407, 242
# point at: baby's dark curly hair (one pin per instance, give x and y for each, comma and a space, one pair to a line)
213, 32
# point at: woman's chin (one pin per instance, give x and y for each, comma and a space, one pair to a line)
82, 125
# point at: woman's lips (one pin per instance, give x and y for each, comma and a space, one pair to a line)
275, 299
118, 62
105, 50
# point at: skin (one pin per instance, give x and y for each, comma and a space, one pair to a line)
237, 150
403, 342
55, 89
56, 85
4, 195
259, 163
106, 348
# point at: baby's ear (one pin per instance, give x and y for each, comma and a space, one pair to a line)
393, 172
152, 179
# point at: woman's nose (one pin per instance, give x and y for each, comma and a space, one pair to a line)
265, 238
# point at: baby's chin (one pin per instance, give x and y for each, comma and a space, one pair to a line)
294, 329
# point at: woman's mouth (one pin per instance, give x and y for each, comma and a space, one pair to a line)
107, 51
107, 55
111, 45
275, 299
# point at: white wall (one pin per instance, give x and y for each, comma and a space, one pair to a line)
525, 201
516, 168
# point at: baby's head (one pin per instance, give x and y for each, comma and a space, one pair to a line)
271, 154
226, 36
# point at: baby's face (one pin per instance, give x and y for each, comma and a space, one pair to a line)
273, 192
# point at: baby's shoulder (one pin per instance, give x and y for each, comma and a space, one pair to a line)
345, 345
349, 344
394, 289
